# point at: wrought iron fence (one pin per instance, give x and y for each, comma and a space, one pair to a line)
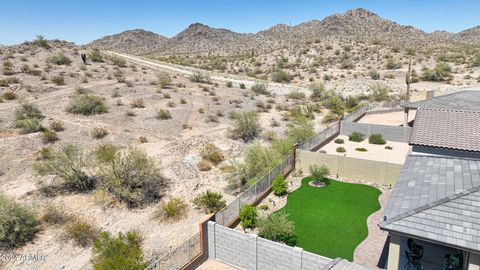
180, 256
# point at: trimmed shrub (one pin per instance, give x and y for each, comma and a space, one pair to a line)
388, 147
212, 153
339, 141
319, 173
248, 216
59, 59
376, 139
278, 228
361, 149
173, 210
279, 185
123, 251
81, 231
356, 137
18, 224
163, 114
341, 149
246, 126
87, 104
211, 202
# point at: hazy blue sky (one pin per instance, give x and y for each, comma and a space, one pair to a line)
83, 21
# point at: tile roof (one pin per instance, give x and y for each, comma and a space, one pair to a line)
465, 100
438, 199
453, 129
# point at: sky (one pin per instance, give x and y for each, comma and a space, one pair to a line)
82, 21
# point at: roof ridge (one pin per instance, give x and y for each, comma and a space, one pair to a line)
429, 205
447, 109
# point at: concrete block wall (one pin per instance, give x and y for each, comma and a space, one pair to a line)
390, 133
247, 251
351, 168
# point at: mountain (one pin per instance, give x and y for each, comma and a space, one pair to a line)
137, 41
355, 25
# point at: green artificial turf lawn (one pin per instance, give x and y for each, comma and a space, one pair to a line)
332, 221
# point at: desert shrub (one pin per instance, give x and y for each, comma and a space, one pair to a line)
166, 95
245, 126
335, 104
282, 76
282, 147
164, 79
9, 95
183, 101
174, 209
392, 64
59, 59
212, 153
210, 201
476, 60
45, 153
130, 176
18, 224
229, 84
347, 64
81, 231
278, 228
296, 95
356, 137
339, 141
242, 86
380, 92
41, 42
171, 104
279, 185
99, 132
95, 55
374, 74
376, 139
441, 72
204, 165
329, 117
163, 114
118, 61
137, 103
57, 125
248, 216
58, 80
300, 130
260, 88
69, 165
49, 136
28, 118
361, 149
319, 173
341, 149
87, 104
200, 77
123, 251
55, 215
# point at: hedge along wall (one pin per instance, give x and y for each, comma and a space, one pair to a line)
389, 133
351, 168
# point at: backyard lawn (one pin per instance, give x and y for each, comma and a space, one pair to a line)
332, 221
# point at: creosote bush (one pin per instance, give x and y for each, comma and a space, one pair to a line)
123, 251
59, 59
173, 210
87, 104
210, 201
163, 114
248, 216
246, 126
99, 132
95, 55
164, 79
28, 118
279, 185
18, 224
49, 136
81, 231
212, 153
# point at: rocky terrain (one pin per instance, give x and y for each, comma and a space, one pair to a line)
355, 25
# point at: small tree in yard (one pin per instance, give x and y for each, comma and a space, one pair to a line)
248, 216
245, 126
278, 228
210, 201
279, 185
319, 173
18, 224
123, 251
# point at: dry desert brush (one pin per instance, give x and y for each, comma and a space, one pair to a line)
87, 104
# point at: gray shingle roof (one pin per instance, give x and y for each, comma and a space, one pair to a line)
437, 198
465, 100
453, 129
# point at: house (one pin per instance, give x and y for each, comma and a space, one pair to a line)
433, 213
